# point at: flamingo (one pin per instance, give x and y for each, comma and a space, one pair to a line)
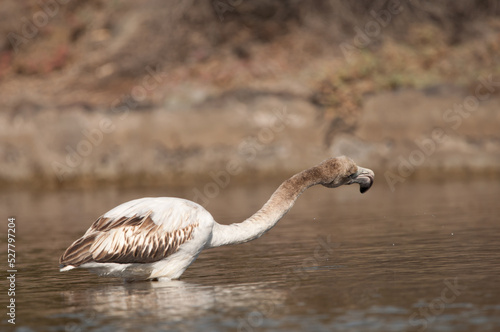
157, 238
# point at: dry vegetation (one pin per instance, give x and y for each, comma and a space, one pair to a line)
91, 47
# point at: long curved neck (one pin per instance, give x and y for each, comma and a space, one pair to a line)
263, 220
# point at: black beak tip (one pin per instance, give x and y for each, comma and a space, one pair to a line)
365, 186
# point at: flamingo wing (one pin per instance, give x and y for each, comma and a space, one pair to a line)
132, 233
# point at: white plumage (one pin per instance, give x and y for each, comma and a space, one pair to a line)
159, 228
158, 238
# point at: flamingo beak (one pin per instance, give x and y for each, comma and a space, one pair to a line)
365, 179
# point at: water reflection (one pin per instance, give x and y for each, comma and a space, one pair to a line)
177, 300
338, 261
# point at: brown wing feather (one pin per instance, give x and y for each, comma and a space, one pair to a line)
139, 244
105, 224
125, 240
79, 252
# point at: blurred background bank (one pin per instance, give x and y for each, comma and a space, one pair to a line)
155, 93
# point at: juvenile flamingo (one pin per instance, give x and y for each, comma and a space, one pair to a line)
158, 238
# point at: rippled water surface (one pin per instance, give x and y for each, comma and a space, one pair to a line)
425, 257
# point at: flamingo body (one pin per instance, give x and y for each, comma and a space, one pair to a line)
150, 247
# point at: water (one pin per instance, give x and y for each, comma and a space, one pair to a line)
422, 258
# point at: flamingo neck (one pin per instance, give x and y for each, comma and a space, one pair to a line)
268, 216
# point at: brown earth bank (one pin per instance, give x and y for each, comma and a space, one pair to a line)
441, 131
148, 93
